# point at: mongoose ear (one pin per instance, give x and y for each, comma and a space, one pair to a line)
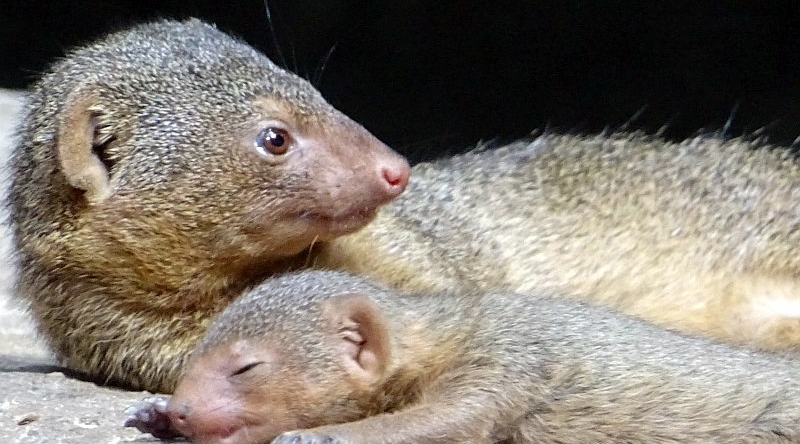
362, 335
78, 136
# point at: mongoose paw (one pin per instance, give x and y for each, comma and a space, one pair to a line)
307, 437
150, 416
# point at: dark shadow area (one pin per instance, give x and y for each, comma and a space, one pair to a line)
432, 76
12, 363
17, 364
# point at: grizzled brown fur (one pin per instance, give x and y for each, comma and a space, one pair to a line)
698, 235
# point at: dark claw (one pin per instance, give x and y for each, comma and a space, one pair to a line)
150, 416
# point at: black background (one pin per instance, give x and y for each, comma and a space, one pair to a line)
428, 76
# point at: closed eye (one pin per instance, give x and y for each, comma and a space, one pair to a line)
246, 368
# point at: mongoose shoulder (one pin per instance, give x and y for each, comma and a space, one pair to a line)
325, 357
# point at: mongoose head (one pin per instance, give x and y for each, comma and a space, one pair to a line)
299, 351
174, 140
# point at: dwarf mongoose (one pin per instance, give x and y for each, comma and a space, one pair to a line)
325, 357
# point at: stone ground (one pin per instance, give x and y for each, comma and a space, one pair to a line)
38, 402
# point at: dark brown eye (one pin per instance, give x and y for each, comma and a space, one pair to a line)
273, 140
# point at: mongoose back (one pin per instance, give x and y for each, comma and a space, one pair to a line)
324, 357
697, 236
165, 169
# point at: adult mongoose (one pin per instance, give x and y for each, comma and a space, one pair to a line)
325, 357
158, 173
165, 169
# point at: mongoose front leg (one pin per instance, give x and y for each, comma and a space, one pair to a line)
468, 421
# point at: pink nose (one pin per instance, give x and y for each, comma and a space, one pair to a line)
396, 175
178, 416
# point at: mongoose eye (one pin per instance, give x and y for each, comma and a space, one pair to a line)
273, 141
246, 368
